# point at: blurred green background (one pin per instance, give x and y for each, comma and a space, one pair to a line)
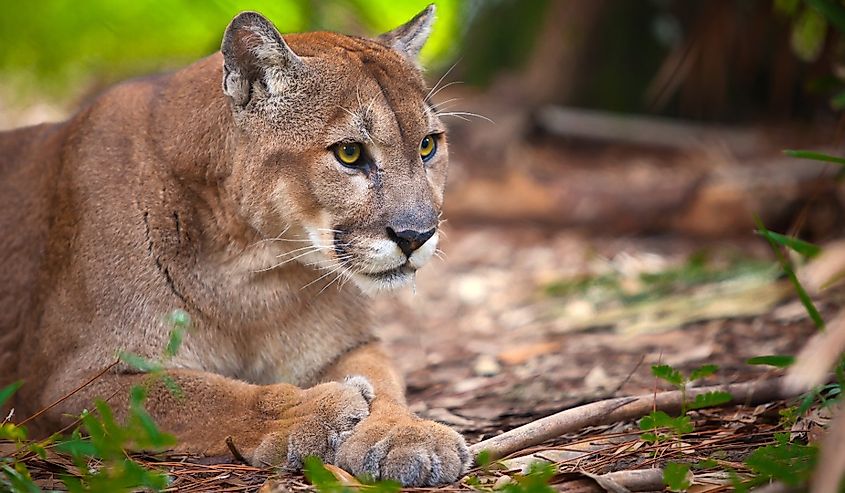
54, 46
731, 60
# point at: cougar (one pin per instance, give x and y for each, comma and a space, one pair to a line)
269, 191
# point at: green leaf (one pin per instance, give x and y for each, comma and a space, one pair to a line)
831, 10
788, 462
669, 374
113, 432
38, 449
706, 464
148, 434
659, 419
19, 479
155, 439
703, 371
172, 386
137, 396
649, 437
786, 7
536, 480
10, 431
776, 360
320, 477
181, 322
135, 475
808, 34
484, 458
9, 390
677, 476
72, 483
815, 156
653, 420
180, 318
174, 342
139, 363
710, 399
800, 246
77, 447
807, 402
832, 390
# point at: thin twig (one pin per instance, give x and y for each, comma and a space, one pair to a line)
68, 395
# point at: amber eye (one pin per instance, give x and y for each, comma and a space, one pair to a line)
349, 154
428, 146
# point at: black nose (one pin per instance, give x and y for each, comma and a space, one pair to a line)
409, 240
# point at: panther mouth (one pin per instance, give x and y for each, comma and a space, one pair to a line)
392, 274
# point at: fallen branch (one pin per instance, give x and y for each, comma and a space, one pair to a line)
646, 131
621, 409
614, 482
633, 480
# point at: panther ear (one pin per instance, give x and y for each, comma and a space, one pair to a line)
410, 37
255, 53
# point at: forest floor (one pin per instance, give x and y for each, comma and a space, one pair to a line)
518, 323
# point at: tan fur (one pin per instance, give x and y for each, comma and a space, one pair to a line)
170, 192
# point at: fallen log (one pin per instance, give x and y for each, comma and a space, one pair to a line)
647, 131
622, 409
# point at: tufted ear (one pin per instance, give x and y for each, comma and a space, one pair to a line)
255, 53
410, 37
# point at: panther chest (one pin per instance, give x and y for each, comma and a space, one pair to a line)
267, 329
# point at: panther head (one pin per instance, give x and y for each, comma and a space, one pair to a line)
338, 149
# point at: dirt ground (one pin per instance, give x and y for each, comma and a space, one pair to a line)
483, 353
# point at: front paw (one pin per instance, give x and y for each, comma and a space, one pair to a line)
405, 448
317, 425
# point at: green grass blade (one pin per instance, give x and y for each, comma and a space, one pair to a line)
9, 390
802, 247
815, 156
790, 274
776, 360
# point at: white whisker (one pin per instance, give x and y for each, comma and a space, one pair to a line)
263, 240
450, 100
358, 94
291, 240
349, 274
461, 114
308, 247
454, 82
334, 280
369, 106
330, 272
351, 113
452, 114
286, 261
431, 91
